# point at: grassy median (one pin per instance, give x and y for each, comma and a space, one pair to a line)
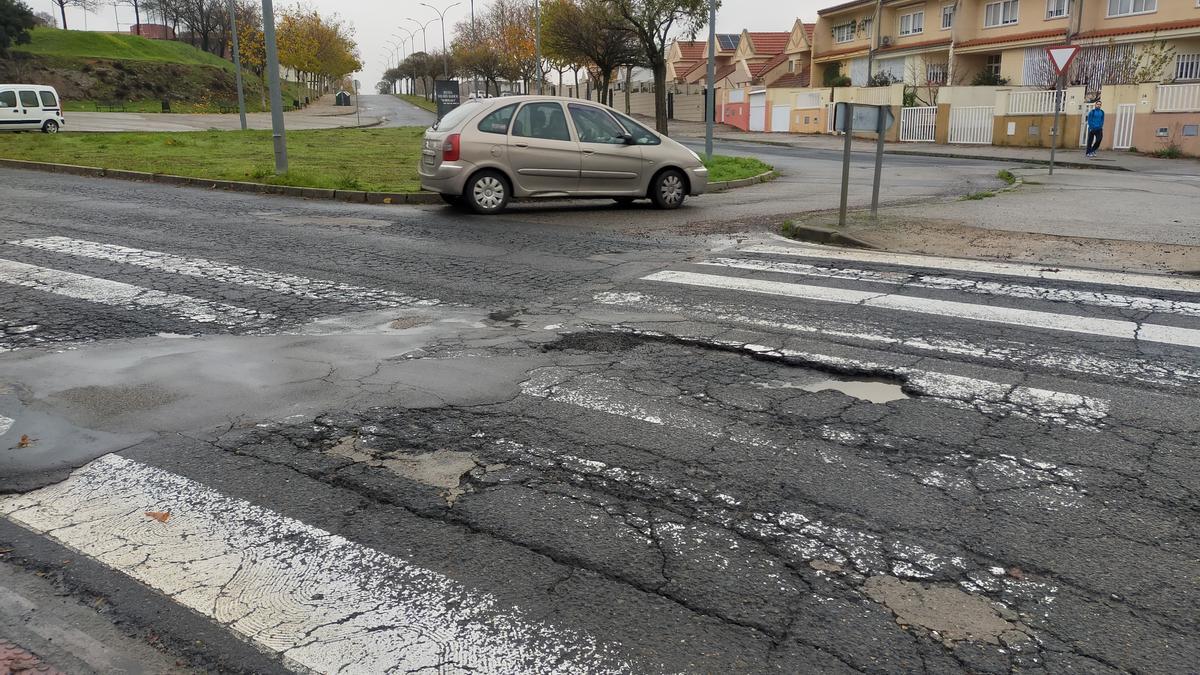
380, 160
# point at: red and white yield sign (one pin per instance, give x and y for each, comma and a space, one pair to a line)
1061, 57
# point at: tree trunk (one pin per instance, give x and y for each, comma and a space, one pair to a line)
137, 17
62, 6
660, 95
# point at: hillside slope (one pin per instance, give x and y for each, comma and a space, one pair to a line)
89, 67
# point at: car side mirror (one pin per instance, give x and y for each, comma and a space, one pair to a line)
629, 139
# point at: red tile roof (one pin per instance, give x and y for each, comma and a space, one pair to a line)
692, 50
943, 42
694, 70
1015, 37
802, 80
757, 69
808, 31
725, 72
1141, 28
769, 44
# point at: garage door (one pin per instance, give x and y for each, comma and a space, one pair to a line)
781, 118
758, 111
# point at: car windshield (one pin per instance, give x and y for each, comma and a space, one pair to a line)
457, 116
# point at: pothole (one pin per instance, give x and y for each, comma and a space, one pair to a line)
952, 614
440, 468
873, 390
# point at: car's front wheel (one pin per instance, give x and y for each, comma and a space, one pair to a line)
50, 127
669, 189
487, 192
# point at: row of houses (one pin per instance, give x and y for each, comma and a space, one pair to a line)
966, 71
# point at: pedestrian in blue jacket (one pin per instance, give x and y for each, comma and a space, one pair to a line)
1095, 125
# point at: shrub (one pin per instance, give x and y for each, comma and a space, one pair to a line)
1172, 151
988, 79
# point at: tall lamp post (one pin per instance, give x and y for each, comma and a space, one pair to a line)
411, 40
442, 19
422, 26
537, 42
474, 36
237, 62
278, 133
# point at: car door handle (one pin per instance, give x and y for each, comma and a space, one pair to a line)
521, 145
589, 152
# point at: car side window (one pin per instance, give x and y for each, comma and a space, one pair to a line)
542, 120
29, 99
595, 125
8, 99
497, 121
641, 135
48, 100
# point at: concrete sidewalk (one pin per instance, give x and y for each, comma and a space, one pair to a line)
320, 115
1115, 160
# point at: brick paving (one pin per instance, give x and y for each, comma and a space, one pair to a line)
16, 661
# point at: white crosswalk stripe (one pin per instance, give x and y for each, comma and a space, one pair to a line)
277, 282
986, 313
906, 260
320, 602
938, 282
128, 296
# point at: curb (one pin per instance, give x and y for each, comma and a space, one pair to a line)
951, 155
353, 196
724, 186
824, 235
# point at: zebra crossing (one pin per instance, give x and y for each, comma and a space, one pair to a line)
287, 298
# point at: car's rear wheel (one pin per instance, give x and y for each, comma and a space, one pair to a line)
669, 189
50, 127
487, 192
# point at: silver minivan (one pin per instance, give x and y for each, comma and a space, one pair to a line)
30, 107
486, 152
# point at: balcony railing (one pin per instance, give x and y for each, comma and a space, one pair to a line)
1178, 98
1039, 102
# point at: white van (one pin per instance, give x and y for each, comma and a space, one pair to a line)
29, 107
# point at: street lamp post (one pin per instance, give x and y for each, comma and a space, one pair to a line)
411, 39
537, 41
474, 36
424, 38
237, 63
442, 19
278, 133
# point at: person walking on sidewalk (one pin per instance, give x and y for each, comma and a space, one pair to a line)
1095, 125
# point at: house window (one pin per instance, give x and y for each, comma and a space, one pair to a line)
948, 16
1187, 67
866, 26
912, 24
936, 73
1058, 9
1126, 7
993, 66
791, 66
843, 33
1004, 13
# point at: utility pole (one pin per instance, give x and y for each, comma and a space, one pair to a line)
442, 19
474, 36
710, 99
237, 64
537, 9
277, 130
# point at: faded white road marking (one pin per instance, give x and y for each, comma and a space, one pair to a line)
277, 282
5, 424
1024, 291
1185, 337
1001, 351
127, 296
1098, 277
322, 602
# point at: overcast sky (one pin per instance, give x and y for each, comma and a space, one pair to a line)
375, 21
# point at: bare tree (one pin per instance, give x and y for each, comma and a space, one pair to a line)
85, 5
591, 32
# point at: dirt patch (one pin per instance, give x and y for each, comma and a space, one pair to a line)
108, 402
953, 614
410, 322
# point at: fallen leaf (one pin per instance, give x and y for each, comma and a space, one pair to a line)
1016, 573
26, 441
160, 516
387, 200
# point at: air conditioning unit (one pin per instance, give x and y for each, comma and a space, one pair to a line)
886, 41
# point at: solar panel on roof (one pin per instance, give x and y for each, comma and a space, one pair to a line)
729, 40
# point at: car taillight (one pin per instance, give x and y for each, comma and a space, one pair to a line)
451, 148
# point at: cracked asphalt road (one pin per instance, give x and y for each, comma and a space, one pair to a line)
450, 443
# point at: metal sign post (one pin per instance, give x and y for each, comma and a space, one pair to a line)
847, 128
877, 119
1061, 58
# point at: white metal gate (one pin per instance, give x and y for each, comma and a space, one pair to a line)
758, 111
781, 118
1123, 129
971, 124
829, 113
918, 125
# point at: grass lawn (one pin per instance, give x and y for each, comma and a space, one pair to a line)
419, 101
722, 168
379, 160
85, 44
383, 160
